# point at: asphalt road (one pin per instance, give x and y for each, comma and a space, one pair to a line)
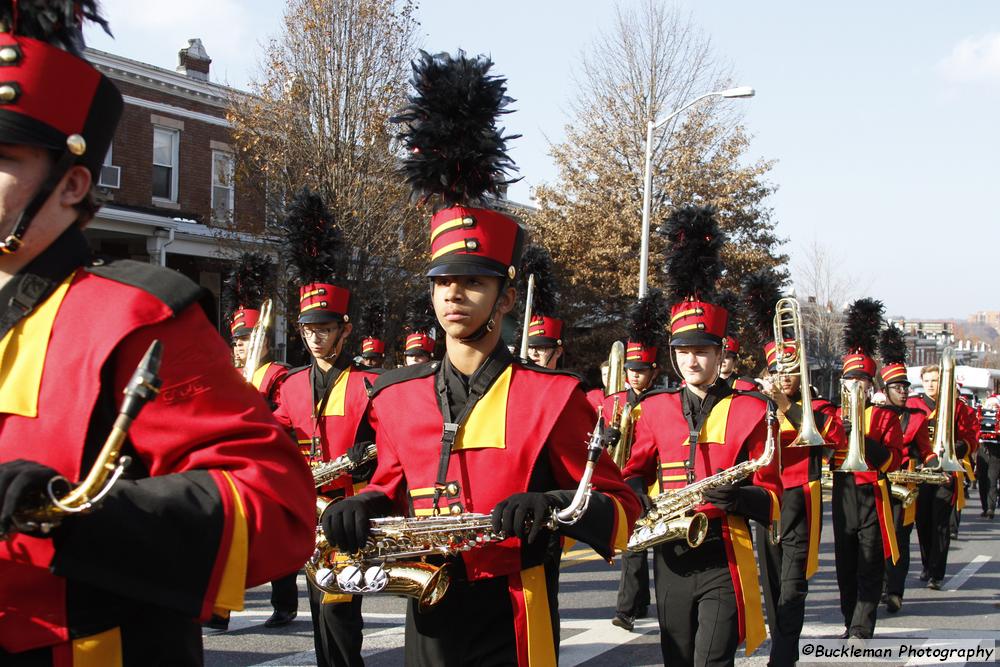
967, 607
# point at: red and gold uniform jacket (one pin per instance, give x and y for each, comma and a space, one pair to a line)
325, 427
916, 447
268, 379
802, 467
734, 431
216, 499
881, 425
527, 432
966, 430
596, 399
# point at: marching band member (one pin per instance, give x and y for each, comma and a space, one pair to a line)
935, 503
916, 450
545, 339
791, 562
863, 531
647, 320
324, 404
214, 500
480, 431
247, 284
418, 348
707, 597
373, 345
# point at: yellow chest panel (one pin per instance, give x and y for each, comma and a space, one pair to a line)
22, 356
486, 427
714, 428
338, 395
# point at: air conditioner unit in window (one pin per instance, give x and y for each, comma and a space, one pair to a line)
111, 177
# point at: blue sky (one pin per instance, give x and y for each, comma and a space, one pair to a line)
882, 116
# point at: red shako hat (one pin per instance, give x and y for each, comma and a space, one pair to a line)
864, 321
417, 343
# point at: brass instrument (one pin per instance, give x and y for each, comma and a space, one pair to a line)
852, 403
673, 516
622, 418
787, 315
108, 467
944, 430
324, 473
529, 300
393, 560
258, 336
922, 476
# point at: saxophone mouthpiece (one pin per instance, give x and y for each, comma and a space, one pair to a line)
145, 382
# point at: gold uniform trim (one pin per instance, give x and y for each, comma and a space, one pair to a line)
486, 427
22, 355
338, 395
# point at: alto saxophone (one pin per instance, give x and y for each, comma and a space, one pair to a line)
324, 473
673, 516
108, 467
393, 560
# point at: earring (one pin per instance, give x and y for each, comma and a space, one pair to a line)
490, 325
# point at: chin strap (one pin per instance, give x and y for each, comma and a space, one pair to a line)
12, 243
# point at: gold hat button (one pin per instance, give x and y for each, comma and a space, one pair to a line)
9, 55
76, 144
8, 93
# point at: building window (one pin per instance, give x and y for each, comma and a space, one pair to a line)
222, 187
110, 175
166, 143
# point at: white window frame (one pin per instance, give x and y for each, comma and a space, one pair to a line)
231, 187
175, 167
108, 163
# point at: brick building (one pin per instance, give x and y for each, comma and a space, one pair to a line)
168, 179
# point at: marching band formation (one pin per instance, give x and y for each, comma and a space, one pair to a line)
458, 481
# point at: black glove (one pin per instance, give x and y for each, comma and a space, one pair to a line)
522, 515
22, 483
362, 472
611, 436
347, 523
639, 487
876, 453
750, 501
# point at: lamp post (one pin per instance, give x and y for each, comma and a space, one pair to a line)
741, 91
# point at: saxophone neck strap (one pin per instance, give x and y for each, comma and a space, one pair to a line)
479, 384
695, 421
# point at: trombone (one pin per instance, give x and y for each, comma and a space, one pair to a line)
791, 360
944, 430
258, 335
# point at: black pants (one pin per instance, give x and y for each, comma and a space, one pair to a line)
285, 593
696, 602
336, 630
857, 539
987, 474
895, 574
933, 527
784, 577
473, 624
633, 588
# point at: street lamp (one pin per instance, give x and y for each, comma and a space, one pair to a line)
741, 91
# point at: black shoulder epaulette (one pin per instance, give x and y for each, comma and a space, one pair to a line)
174, 289
532, 366
298, 369
754, 394
282, 364
402, 374
367, 369
656, 392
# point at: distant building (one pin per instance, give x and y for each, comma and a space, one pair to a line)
167, 179
989, 317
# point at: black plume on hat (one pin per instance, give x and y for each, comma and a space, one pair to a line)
761, 291
892, 345
312, 242
648, 319
420, 317
373, 315
454, 149
693, 263
248, 283
56, 22
537, 261
864, 321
